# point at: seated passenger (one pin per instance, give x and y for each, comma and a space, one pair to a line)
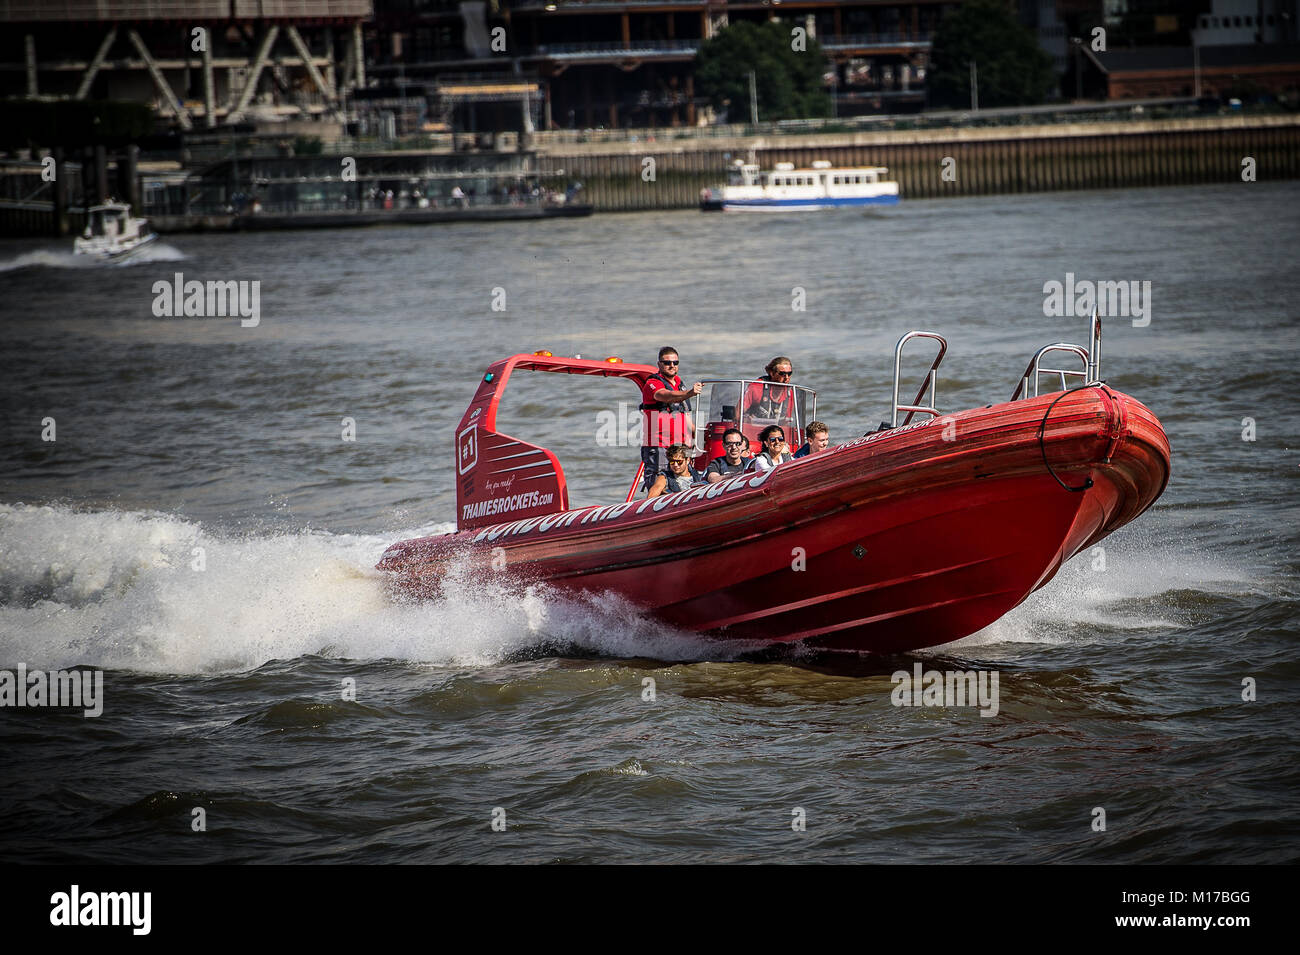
732, 462
775, 450
819, 438
766, 398
679, 476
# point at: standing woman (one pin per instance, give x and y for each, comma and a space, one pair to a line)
680, 475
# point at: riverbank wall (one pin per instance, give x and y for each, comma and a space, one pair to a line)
939, 163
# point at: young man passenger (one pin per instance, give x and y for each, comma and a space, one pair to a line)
680, 476
819, 437
732, 461
666, 404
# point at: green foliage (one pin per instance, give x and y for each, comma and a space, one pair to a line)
1012, 69
28, 122
788, 82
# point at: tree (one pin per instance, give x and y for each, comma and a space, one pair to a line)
788, 80
1011, 68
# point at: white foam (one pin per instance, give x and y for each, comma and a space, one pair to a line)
1083, 597
118, 590
65, 259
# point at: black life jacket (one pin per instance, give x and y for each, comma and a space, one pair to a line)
773, 402
676, 407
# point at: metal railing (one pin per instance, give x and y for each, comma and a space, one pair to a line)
931, 382
856, 40
1029, 380
615, 48
1110, 111
184, 11
1090, 358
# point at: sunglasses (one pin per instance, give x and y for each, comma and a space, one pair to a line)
733, 444
784, 374
662, 362
676, 460
776, 439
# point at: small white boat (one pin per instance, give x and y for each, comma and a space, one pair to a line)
112, 233
786, 188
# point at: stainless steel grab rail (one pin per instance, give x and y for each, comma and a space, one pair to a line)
1030, 378
930, 383
1090, 358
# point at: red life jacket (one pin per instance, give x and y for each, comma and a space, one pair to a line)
665, 423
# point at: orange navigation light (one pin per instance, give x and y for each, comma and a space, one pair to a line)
544, 353
614, 360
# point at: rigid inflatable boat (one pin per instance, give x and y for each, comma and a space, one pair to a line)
913, 535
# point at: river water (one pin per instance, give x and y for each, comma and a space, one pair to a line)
200, 530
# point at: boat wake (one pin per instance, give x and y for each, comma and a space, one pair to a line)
158, 593
58, 259
1137, 584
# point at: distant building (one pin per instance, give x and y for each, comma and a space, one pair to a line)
618, 63
1220, 71
1247, 21
200, 62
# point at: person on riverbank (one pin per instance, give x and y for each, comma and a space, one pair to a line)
666, 404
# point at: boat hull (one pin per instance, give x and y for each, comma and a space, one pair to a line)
902, 539
794, 205
118, 254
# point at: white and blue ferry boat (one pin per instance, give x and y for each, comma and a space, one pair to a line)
786, 188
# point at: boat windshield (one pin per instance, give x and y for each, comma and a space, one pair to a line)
743, 174
109, 222
751, 404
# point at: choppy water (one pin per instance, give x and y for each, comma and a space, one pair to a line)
1119, 688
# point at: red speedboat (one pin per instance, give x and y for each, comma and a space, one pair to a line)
914, 535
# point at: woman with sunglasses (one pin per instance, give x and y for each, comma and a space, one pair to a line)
680, 475
775, 450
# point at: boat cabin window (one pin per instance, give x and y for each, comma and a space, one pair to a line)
751, 405
106, 222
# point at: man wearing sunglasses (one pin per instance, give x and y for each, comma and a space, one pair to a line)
730, 463
680, 476
767, 398
667, 406
775, 450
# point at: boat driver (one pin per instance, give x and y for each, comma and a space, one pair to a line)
667, 406
765, 398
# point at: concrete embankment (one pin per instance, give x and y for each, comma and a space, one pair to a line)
999, 159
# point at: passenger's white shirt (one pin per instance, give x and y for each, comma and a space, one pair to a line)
764, 462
